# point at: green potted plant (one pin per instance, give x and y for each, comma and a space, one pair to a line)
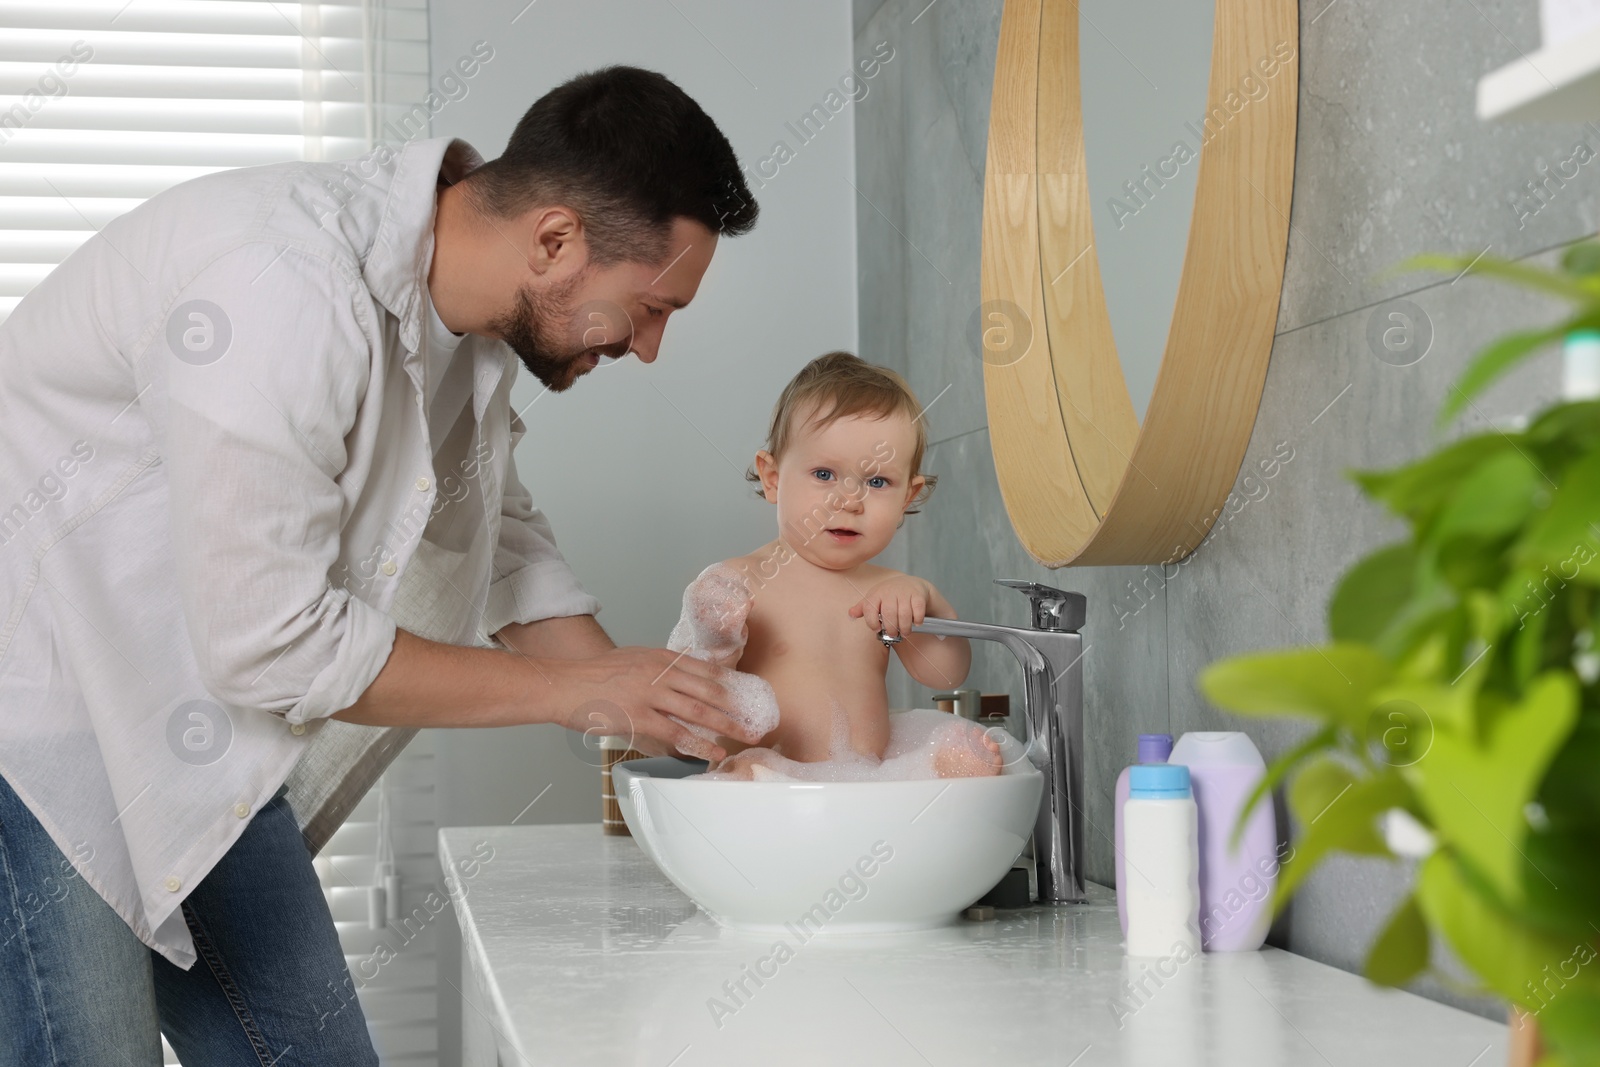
1457, 704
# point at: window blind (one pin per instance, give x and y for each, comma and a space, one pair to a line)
104, 103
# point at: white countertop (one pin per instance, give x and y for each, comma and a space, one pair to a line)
577, 950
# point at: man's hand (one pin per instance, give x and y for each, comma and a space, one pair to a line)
629, 692
895, 605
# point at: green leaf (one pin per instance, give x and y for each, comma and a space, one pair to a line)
1337, 812
1530, 605
1475, 793
1582, 258
1401, 732
1563, 536
1523, 274
1565, 843
1499, 357
1331, 683
1276, 770
1418, 490
1401, 951
1428, 707
1318, 787
1508, 957
1570, 427
1372, 594
1492, 501
1570, 1022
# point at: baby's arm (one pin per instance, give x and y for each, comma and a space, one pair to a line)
712, 627
899, 602
715, 607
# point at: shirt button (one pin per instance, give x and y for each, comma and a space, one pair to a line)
241, 810
298, 728
388, 566
422, 485
172, 883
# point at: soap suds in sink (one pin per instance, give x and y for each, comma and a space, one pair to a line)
909, 754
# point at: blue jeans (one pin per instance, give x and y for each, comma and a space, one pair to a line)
270, 987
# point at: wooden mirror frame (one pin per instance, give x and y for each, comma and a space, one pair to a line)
1082, 481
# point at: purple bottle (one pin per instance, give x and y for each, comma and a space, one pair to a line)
1236, 885
1153, 748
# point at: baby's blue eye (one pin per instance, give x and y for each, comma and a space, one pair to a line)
823, 473
878, 482
654, 312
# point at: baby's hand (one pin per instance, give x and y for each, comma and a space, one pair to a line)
895, 605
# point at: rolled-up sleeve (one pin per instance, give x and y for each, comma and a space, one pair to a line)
266, 365
533, 580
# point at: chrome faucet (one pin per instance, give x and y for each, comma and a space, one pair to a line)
1050, 651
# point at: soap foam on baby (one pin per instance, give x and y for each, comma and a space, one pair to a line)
712, 598
913, 740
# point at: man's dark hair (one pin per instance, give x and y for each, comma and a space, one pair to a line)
629, 151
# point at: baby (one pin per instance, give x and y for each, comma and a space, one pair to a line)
802, 613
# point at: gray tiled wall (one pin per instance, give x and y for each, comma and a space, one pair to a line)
1390, 161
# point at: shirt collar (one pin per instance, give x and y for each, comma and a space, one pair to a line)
396, 270
440, 347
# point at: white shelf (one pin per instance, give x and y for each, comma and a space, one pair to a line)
1560, 82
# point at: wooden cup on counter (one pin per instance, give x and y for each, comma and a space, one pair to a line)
611, 820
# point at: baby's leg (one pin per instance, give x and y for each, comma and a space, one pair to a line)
759, 764
966, 751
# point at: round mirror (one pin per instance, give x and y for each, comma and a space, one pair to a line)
1143, 99
1135, 218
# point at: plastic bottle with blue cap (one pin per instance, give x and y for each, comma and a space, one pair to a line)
1161, 843
1153, 748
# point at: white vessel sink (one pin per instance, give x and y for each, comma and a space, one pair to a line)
830, 857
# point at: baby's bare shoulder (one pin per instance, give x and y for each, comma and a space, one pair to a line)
874, 573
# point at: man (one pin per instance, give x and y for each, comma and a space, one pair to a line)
246, 428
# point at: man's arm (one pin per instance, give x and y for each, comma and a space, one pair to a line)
426, 683
567, 637
577, 637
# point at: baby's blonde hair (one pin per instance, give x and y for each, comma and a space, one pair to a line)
842, 384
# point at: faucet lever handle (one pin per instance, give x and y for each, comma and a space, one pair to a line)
1053, 609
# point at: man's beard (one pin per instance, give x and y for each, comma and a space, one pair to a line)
533, 329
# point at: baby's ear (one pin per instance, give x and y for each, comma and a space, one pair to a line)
767, 471
914, 489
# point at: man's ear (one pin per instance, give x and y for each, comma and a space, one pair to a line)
767, 471
557, 239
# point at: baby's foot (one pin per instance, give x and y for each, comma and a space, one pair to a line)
967, 752
741, 764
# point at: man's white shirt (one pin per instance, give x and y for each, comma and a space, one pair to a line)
223, 432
